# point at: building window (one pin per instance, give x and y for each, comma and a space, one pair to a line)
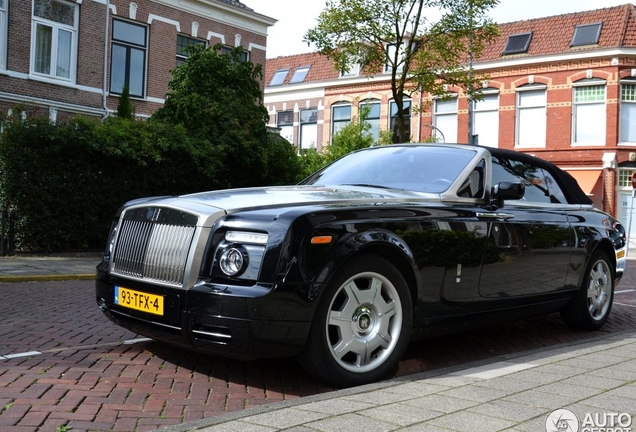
54, 39
373, 118
625, 177
589, 115
517, 44
3, 33
299, 75
486, 120
586, 34
391, 59
394, 120
279, 77
308, 128
628, 112
340, 117
285, 122
445, 120
183, 43
128, 58
227, 50
531, 116
353, 69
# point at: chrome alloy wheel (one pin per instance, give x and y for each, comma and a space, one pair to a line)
364, 322
599, 290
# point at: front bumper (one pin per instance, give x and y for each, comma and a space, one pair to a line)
242, 323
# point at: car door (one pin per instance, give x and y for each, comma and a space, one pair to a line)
529, 240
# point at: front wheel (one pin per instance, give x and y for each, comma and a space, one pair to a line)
591, 306
362, 325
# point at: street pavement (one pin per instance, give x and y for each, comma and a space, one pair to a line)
581, 385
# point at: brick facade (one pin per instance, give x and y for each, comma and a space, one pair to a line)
231, 23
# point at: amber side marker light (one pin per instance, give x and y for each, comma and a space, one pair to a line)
321, 239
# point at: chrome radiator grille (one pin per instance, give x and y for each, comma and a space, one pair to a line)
152, 251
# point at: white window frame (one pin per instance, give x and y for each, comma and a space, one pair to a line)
486, 118
627, 115
442, 118
584, 121
390, 52
308, 129
531, 105
57, 28
4, 7
354, 70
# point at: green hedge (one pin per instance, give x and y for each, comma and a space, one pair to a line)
66, 181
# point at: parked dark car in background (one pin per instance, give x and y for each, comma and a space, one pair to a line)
385, 246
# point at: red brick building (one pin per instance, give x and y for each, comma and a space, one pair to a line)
562, 88
67, 57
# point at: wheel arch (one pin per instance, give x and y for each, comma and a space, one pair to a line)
383, 244
604, 245
400, 260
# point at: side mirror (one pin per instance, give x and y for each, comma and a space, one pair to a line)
507, 191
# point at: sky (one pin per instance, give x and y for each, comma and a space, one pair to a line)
295, 17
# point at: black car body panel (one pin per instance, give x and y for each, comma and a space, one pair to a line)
467, 256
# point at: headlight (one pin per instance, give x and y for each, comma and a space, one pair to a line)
233, 261
239, 255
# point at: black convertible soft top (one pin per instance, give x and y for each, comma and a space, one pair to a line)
570, 187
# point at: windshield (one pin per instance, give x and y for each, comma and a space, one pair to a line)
418, 168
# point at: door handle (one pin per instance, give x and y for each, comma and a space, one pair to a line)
497, 216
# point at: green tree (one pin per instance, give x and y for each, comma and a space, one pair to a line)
125, 107
218, 97
421, 53
354, 136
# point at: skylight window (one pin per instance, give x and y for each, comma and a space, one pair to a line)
299, 75
517, 43
586, 34
279, 77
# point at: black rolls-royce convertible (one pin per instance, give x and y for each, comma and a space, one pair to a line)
385, 246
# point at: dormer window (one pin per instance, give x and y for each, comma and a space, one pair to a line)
391, 57
517, 43
279, 77
299, 75
353, 69
586, 34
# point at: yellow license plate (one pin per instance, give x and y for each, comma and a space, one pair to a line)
620, 254
139, 300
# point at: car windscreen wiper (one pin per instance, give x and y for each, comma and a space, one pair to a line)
368, 185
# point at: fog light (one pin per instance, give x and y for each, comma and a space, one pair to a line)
232, 261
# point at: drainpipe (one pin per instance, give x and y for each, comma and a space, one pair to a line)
105, 85
419, 116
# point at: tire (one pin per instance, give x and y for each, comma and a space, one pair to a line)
592, 304
362, 324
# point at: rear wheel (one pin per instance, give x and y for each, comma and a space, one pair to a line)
362, 325
591, 306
